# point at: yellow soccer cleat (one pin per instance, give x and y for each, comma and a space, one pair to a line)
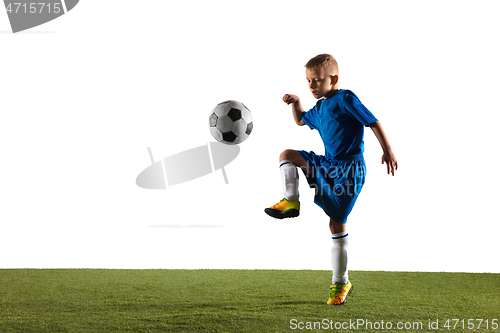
339, 293
284, 209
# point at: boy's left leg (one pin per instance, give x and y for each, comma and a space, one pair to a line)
289, 161
341, 287
289, 206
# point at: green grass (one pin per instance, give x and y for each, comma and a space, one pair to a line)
237, 300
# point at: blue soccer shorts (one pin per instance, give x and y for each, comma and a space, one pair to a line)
337, 183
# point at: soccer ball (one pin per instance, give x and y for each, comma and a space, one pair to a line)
230, 122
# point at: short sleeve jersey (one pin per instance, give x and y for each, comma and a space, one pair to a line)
340, 121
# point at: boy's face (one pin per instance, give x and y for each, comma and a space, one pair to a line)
321, 83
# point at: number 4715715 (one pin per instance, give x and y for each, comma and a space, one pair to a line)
471, 324
33, 8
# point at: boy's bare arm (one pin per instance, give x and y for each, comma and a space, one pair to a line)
388, 157
296, 108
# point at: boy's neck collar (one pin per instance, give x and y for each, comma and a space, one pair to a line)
333, 93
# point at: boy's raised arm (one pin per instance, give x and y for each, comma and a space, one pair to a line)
388, 157
296, 108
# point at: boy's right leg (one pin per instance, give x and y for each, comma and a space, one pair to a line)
289, 206
341, 287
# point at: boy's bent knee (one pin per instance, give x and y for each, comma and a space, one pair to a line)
294, 157
288, 154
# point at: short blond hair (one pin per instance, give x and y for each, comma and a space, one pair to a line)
326, 61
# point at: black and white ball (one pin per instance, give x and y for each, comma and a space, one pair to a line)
230, 122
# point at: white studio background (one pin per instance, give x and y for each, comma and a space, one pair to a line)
83, 96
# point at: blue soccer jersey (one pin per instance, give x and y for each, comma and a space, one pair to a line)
340, 121
338, 177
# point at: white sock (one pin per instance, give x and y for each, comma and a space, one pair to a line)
340, 252
290, 180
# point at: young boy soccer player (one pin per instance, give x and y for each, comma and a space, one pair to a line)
339, 175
